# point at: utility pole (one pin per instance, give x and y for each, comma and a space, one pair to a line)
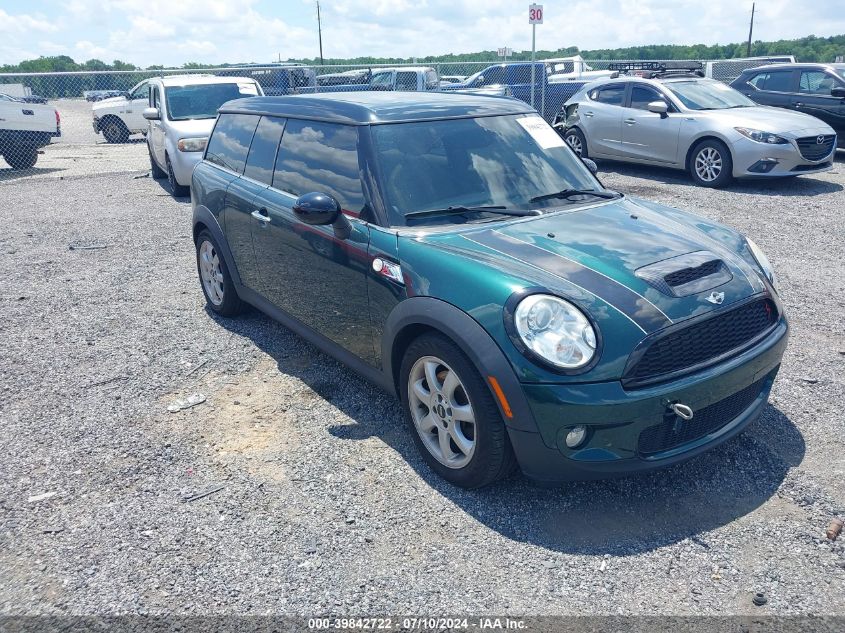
320, 33
750, 31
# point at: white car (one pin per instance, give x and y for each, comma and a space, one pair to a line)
24, 129
118, 117
181, 114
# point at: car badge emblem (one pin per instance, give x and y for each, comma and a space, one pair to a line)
716, 298
820, 140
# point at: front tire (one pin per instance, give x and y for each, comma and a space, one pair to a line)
156, 172
710, 164
577, 141
178, 191
453, 418
22, 157
215, 280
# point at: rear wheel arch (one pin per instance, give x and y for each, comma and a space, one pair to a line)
204, 220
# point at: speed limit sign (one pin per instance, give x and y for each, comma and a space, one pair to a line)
535, 14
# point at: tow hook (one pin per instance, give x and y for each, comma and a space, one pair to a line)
682, 411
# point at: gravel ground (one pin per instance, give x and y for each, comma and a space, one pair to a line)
325, 506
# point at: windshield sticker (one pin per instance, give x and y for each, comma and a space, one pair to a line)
542, 133
247, 89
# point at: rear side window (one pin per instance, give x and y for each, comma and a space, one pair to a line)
229, 144
262, 152
406, 81
611, 95
320, 157
775, 81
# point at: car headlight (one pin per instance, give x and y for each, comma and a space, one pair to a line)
192, 144
555, 330
763, 262
761, 137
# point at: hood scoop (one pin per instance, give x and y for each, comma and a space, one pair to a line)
686, 274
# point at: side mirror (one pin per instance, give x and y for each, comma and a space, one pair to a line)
317, 208
152, 114
480, 80
658, 107
838, 92
126, 95
591, 165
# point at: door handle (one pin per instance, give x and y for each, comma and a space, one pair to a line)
261, 214
799, 105
588, 114
630, 121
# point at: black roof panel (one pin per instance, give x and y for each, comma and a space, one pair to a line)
366, 107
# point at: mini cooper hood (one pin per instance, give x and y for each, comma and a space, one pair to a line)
603, 249
775, 120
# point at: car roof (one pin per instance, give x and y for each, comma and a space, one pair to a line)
365, 108
192, 80
798, 65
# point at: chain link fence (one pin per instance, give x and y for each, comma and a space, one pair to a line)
91, 122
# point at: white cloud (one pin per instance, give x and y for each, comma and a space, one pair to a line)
172, 32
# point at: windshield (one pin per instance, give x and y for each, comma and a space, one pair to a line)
501, 160
708, 94
203, 100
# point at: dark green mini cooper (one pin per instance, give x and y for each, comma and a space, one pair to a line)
453, 250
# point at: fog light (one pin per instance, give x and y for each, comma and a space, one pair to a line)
576, 436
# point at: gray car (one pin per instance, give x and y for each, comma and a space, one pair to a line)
676, 118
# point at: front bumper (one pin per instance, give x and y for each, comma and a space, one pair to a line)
183, 164
760, 160
616, 418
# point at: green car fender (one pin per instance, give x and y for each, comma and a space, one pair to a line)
414, 315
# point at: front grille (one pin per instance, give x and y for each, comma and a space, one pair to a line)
702, 341
674, 432
686, 275
811, 149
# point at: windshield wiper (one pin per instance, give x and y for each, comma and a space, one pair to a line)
570, 193
460, 210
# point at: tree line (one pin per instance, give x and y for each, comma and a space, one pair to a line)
805, 49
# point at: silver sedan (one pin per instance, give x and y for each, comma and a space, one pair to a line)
695, 124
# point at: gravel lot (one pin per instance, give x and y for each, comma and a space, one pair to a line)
325, 506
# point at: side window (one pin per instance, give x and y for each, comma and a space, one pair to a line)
262, 152
322, 157
758, 80
230, 141
382, 80
611, 95
816, 82
155, 99
141, 92
778, 81
406, 81
431, 81
641, 96
494, 76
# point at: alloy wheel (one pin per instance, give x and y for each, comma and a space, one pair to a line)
574, 143
442, 412
210, 273
708, 164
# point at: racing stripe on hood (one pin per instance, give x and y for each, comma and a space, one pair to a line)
648, 317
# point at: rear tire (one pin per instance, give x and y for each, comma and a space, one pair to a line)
215, 280
455, 423
178, 191
114, 130
22, 157
577, 141
710, 164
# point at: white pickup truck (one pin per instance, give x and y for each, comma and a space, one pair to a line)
24, 129
118, 117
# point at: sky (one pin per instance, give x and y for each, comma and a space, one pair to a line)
172, 32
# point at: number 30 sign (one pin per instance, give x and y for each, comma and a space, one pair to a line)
535, 14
